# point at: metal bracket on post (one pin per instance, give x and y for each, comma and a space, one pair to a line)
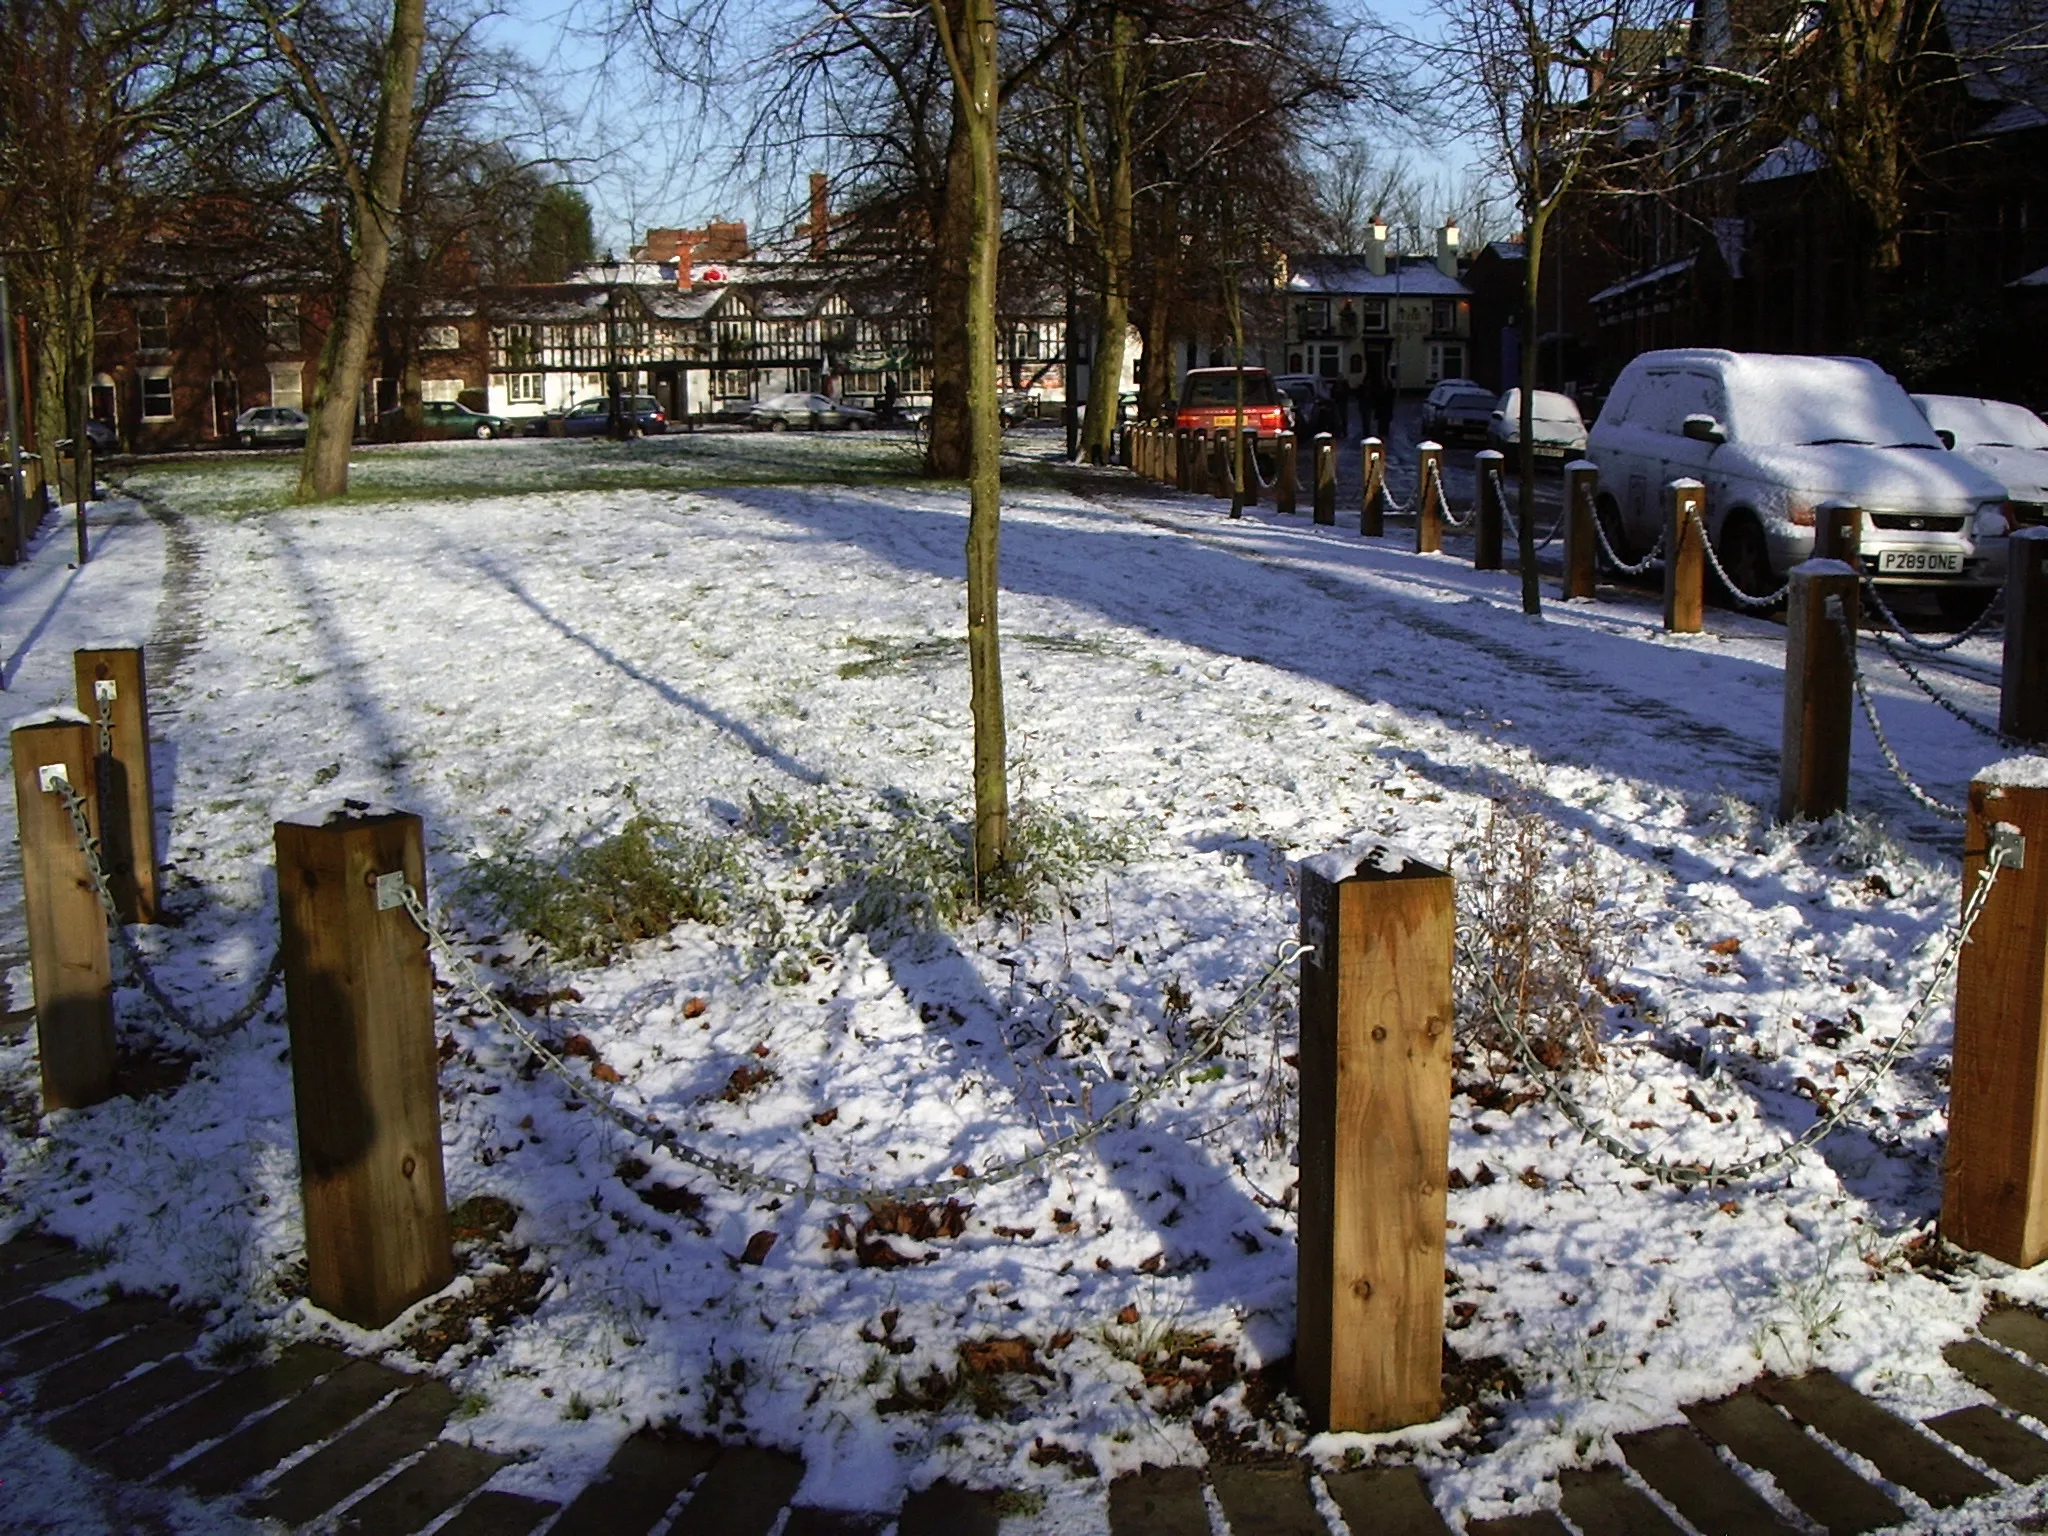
52, 778
105, 690
2008, 844
390, 890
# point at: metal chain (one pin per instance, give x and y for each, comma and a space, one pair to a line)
1621, 566
1995, 609
1884, 746
95, 865
1685, 1175
1899, 660
1500, 492
1745, 599
738, 1176
1450, 519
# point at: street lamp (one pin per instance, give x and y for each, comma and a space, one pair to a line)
615, 419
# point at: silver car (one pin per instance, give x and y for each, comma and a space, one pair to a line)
271, 426
1773, 438
778, 413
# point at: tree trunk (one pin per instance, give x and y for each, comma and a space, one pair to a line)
338, 383
947, 451
971, 55
1156, 392
1525, 457
1113, 306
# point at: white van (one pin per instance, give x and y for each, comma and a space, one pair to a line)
1772, 438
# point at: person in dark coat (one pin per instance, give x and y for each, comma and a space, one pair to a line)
1340, 405
1381, 399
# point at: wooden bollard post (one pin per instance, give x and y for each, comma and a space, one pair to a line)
359, 998
1838, 533
1994, 1195
1183, 459
2023, 686
1429, 463
1248, 464
1160, 463
1581, 570
1202, 462
1685, 557
1813, 764
1326, 480
1375, 1138
67, 927
1372, 510
113, 682
1222, 475
1287, 493
1491, 515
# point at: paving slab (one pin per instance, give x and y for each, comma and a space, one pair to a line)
113, 1413
1267, 1500
26, 1279
1537, 1523
497, 1513
2017, 1330
947, 1509
401, 1428
80, 1334
743, 1494
1698, 1484
89, 1375
446, 1475
1601, 1501
646, 1475
1898, 1450
1158, 1501
323, 1409
1819, 1482
215, 1412
1995, 1440
24, 1317
1387, 1501
2019, 1387
806, 1521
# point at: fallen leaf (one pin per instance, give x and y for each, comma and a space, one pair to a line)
579, 1045
757, 1247
1002, 1357
1727, 947
1151, 1266
1129, 1314
605, 1073
694, 1008
825, 1116
962, 1171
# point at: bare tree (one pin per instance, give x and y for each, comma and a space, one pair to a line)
1569, 93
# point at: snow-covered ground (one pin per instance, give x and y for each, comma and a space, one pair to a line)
525, 667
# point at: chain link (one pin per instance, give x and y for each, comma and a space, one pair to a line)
737, 1176
1449, 518
1621, 566
1912, 672
1995, 609
1500, 492
1884, 746
1686, 1175
95, 865
1758, 604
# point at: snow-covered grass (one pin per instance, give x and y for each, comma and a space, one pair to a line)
776, 673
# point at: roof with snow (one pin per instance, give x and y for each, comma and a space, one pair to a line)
1416, 276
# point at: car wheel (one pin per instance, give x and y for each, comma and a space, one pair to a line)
1963, 606
1745, 557
482, 433
777, 424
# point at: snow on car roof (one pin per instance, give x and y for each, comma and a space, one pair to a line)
1793, 401
1984, 423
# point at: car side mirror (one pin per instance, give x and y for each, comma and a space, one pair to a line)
1948, 438
1702, 428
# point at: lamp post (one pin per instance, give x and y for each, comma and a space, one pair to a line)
615, 421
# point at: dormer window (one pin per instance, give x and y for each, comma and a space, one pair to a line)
153, 324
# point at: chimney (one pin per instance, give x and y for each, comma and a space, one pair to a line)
685, 249
1376, 247
1447, 248
821, 214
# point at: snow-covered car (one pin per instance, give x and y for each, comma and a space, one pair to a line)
98, 433
2006, 441
778, 413
1455, 411
1772, 438
1555, 424
270, 426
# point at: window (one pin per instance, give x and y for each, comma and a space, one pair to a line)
1376, 316
286, 385
153, 322
441, 389
1446, 361
1443, 317
156, 394
281, 321
440, 338
1329, 360
1315, 318
524, 389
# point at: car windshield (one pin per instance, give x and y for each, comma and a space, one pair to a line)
1545, 405
1985, 423
1220, 388
1817, 402
1469, 400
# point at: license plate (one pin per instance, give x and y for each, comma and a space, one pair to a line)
1931, 562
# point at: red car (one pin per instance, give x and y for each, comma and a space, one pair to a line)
1209, 402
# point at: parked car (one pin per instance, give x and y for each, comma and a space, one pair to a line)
592, 417
1315, 405
1456, 411
445, 418
1209, 402
98, 433
2008, 442
270, 426
1555, 424
1772, 438
778, 413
